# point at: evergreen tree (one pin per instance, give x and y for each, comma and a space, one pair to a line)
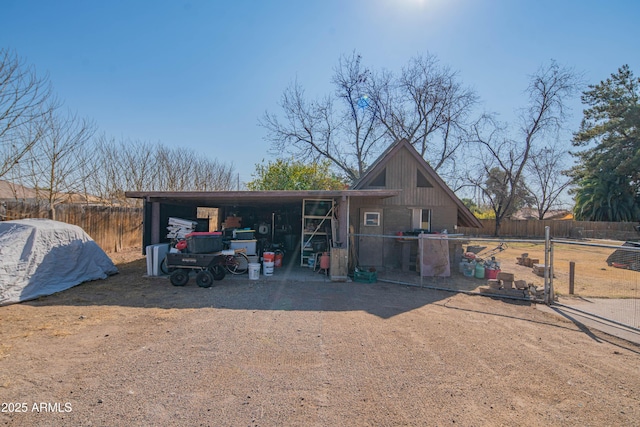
608, 173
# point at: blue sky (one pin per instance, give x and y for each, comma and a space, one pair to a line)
199, 74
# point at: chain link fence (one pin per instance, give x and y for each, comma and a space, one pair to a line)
599, 277
472, 264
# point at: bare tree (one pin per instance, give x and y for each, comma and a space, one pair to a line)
546, 180
428, 106
25, 98
507, 156
424, 104
120, 166
106, 179
55, 164
128, 165
344, 129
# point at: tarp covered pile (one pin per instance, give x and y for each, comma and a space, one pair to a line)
626, 258
40, 257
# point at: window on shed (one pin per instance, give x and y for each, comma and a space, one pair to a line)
380, 180
372, 219
421, 180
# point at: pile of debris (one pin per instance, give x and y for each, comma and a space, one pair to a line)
625, 258
505, 284
526, 261
534, 263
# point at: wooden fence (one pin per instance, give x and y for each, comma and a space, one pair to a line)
113, 228
559, 229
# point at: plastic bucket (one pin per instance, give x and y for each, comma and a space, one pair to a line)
267, 268
490, 273
254, 259
254, 271
278, 260
268, 257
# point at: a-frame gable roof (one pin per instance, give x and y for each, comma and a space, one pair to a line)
381, 162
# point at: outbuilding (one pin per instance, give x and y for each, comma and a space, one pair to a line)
399, 193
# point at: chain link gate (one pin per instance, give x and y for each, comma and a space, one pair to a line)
600, 278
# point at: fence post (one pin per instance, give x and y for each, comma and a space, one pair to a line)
572, 276
550, 273
548, 297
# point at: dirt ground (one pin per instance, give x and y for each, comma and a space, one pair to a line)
593, 276
133, 350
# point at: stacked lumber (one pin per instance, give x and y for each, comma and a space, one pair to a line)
178, 228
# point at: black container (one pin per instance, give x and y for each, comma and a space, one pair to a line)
204, 244
244, 234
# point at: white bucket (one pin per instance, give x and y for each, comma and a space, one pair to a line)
267, 268
254, 271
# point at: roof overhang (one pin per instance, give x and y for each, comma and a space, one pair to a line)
236, 198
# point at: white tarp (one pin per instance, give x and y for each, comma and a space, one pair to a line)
434, 261
40, 257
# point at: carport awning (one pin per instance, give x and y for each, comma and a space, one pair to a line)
232, 198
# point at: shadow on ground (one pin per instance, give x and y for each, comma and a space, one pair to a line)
298, 289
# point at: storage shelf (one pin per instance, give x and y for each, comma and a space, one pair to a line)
319, 222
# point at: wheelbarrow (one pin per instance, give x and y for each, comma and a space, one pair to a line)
479, 253
209, 267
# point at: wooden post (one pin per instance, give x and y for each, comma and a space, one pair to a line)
572, 276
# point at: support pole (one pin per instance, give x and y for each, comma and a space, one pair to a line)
155, 223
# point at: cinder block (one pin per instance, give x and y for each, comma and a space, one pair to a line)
494, 283
506, 276
521, 284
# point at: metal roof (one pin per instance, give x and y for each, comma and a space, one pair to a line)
235, 198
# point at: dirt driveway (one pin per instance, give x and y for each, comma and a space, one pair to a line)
133, 351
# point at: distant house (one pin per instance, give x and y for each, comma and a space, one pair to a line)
11, 191
399, 193
532, 213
